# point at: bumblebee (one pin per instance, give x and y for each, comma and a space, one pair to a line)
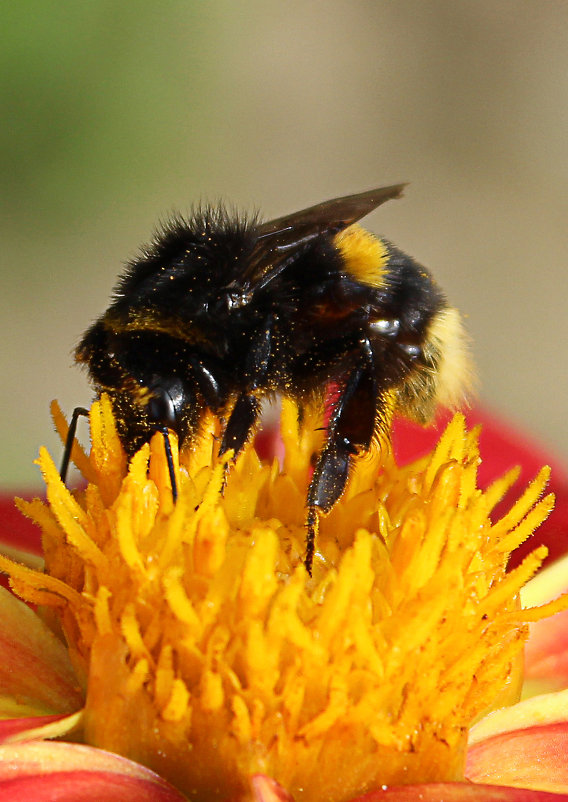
221, 311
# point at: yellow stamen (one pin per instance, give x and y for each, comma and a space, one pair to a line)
209, 654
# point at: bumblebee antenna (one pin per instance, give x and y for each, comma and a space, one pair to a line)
77, 413
71, 432
170, 460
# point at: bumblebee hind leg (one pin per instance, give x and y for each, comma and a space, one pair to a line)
351, 430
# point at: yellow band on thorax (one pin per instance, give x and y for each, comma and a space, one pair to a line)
365, 255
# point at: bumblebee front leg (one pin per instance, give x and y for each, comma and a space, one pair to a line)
351, 429
244, 415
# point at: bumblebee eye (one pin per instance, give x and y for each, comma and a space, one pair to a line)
388, 327
166, 403
161, 408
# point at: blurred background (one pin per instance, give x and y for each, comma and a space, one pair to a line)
115, 114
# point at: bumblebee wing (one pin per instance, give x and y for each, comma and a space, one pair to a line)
278, 240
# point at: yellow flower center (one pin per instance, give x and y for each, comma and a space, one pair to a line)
206, 651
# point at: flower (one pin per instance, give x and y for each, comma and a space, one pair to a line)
198, 646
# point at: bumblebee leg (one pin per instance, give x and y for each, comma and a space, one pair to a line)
246, 410
312, 524
259, 355
240, 424
77, 412
207, 380
351, 429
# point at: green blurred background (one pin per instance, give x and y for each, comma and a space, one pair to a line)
115, 114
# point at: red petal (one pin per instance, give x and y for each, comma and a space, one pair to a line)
265, 789
459, 792
85, 786
268, 443
535, 757
546, 651
16, 529
18, 726
63, 772
35, 670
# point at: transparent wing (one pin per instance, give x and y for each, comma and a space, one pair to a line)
279, 239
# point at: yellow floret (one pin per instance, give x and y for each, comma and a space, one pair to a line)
208, 653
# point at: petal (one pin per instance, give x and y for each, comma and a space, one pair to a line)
21, 729
265, 789
66, 772
36, 676
13, 727
268, 441
548, 584
16, 529
458, 792
546, 655
546, 651
17, 730
529, 758
538, 711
